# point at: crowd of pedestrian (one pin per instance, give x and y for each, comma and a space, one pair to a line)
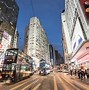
80, 73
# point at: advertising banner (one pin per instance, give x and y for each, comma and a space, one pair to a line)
78, 37
5, 43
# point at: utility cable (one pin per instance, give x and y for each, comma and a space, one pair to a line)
32, 8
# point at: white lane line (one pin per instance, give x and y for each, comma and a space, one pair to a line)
69, 82
30, 85
64, 86
37, 86
22, 81
21, 85
55, 84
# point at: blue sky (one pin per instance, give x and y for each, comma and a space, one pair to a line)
48, 12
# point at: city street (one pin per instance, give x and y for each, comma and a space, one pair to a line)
44, 44
53, 81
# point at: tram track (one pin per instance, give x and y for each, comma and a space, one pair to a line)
20, 84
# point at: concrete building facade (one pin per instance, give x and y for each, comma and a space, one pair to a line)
36, 41
16, 36
55, 56
52, 55
66, 39
77, 21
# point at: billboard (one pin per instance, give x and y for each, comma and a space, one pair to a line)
78, 37
85, 8
5, 43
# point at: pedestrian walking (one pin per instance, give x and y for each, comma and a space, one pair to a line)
85, 73
82, 74
71, 72
75, 72
79, 73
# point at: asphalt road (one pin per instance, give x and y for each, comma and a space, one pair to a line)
53, 81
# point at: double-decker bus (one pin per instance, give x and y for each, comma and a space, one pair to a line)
17, 65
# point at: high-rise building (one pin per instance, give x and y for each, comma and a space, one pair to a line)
8, 17
36, 41
66, 39
58, 58
76, 17
15, 43
83, 12
52, 53
70, 14
55, 56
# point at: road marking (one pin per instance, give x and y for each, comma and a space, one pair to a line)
36, 87
70, 84
55, 84
23, 81
21, 85
64, 86
84, 86
30, 85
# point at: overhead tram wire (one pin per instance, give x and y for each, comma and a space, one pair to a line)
33, 12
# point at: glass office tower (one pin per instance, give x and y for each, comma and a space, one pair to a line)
8, 16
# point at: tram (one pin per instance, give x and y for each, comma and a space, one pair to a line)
44, 67
17, 65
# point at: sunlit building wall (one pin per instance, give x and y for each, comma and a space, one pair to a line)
70, 15
77, 19
37, 45
66, 39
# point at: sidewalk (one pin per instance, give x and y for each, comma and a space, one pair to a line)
85, 81
2, 82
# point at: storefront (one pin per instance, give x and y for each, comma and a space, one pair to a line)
82, 55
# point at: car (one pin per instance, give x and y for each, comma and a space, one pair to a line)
44, 71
